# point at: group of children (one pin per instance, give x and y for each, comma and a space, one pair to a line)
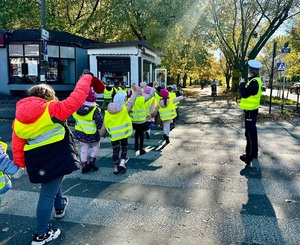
40, 131
123, 117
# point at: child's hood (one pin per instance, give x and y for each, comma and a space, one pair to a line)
84, 110
114, 108
28, 110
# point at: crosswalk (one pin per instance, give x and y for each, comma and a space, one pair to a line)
192, 191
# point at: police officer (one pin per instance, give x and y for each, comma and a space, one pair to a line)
250, 100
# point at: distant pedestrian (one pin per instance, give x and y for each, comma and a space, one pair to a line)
42, 142
250, 100
167, 111
89, 121
117, 123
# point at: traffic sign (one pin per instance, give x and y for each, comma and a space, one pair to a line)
285, 50
281, 66
44, 34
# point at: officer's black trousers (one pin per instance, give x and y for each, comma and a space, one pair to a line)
251, 133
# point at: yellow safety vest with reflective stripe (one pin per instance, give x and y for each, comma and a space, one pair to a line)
172, 96
157, 97
2, 178
85, 123
107, 94
119, 125
42, 132
138, 111
123, 89
253, 101
148, 106
168, 112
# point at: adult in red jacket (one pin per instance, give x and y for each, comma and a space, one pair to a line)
41, 142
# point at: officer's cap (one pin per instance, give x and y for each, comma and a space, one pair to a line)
254, 64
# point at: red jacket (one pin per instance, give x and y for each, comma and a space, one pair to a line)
29, 109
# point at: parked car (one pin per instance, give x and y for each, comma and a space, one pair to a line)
295, 88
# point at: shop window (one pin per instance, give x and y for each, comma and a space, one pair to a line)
53, 51
31, 50
24, 64
16, 50
67, 71
113, 69
67, 52
146, 72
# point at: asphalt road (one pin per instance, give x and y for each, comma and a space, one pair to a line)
193, 191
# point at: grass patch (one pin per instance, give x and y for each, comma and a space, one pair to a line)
265, 100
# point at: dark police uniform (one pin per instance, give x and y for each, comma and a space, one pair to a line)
250, 100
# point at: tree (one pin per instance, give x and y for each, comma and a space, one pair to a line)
243, 27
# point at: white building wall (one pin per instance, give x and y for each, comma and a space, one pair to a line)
134, 67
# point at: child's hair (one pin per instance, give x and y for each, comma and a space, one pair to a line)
43, 91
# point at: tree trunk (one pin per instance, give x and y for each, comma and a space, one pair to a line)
184, 81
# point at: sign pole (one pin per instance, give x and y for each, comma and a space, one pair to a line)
285, 50
42, 42
272, 75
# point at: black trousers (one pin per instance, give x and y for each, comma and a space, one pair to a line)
251, 133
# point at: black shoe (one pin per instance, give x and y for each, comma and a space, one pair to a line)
142, 151
92, 164
85, 167
60, 213
167, 140
246, 159
147, 135
49, 236
116, 169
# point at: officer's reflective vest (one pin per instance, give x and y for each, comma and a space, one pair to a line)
107, 94
119, 125
168, 112
253, 101
148, 104
138, 111
42, 132
85, 123
173, 96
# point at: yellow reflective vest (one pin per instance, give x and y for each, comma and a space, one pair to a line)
148, 104
119, 125
138, 111
2, 178
173, 96
86, 123
107, 94
253, 101
42, 132
168, 112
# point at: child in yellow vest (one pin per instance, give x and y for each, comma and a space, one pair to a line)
7, 168
89, 121
117, 123
167, 111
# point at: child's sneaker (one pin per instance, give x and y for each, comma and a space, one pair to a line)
116, 169
60, 213
50, 235
122, 166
